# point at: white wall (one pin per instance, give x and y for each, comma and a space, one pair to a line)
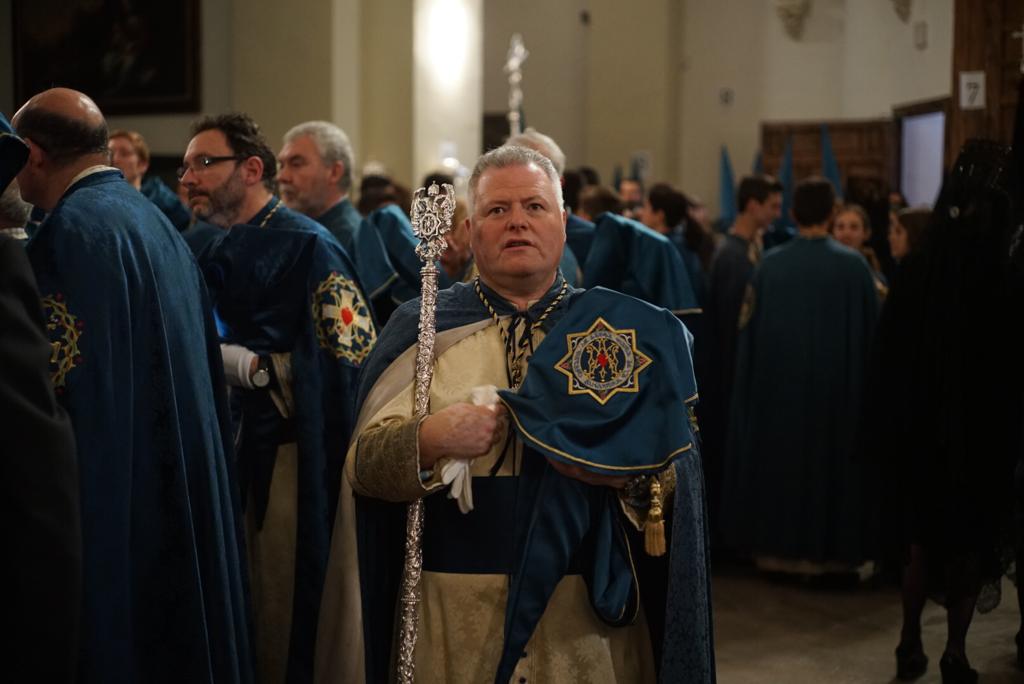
631, 105
856, 59
721, 44
554, 74
802, 79
603, 90
385, 93
735, 46
346, 46
882, 67
281, 63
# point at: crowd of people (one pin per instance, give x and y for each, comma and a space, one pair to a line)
219, 383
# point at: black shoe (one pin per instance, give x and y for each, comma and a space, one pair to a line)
911, 662
956, 670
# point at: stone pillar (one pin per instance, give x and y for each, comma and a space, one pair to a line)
447, 111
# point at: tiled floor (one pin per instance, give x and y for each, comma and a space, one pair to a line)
770, 631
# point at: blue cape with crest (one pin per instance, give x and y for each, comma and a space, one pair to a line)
557, 523
289, 288
136, 364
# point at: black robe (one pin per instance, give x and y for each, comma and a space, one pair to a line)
946, 389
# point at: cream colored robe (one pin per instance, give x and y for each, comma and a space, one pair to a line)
271, 548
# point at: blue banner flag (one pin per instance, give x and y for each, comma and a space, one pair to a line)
786, 179
726, 191
829, 166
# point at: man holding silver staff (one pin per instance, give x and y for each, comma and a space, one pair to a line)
558, 418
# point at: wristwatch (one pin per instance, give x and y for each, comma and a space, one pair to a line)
261, 378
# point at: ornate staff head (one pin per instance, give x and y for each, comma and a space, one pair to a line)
432, 211
517, 54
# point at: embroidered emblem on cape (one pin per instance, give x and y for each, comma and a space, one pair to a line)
64, 330
602, 362
342, 319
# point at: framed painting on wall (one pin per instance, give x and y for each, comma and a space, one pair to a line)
130, 56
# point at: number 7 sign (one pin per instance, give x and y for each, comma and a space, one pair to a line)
972, 90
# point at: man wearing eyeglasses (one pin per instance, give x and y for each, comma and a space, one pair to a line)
295, 329
133, 361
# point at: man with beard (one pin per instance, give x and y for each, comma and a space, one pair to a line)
295, 327
133, 360
316, 175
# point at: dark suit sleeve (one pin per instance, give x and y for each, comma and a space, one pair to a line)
731, 280
39, 514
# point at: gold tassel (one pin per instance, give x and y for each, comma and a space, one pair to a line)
654, 529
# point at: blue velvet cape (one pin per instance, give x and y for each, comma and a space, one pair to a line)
793, 484
167, 201
629, 257
137, 367
267, 284
694, 270
343, 222
556, 513
579, 233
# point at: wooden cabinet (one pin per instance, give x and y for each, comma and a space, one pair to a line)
863, 149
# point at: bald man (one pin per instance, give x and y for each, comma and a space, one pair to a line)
135, 363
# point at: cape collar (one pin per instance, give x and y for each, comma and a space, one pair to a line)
92, 173
264, 214
336, 208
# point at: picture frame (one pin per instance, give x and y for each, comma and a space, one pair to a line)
130, 57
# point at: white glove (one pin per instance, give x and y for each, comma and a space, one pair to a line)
456, 472
237, 363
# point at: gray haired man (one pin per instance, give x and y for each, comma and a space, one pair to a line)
315, 177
